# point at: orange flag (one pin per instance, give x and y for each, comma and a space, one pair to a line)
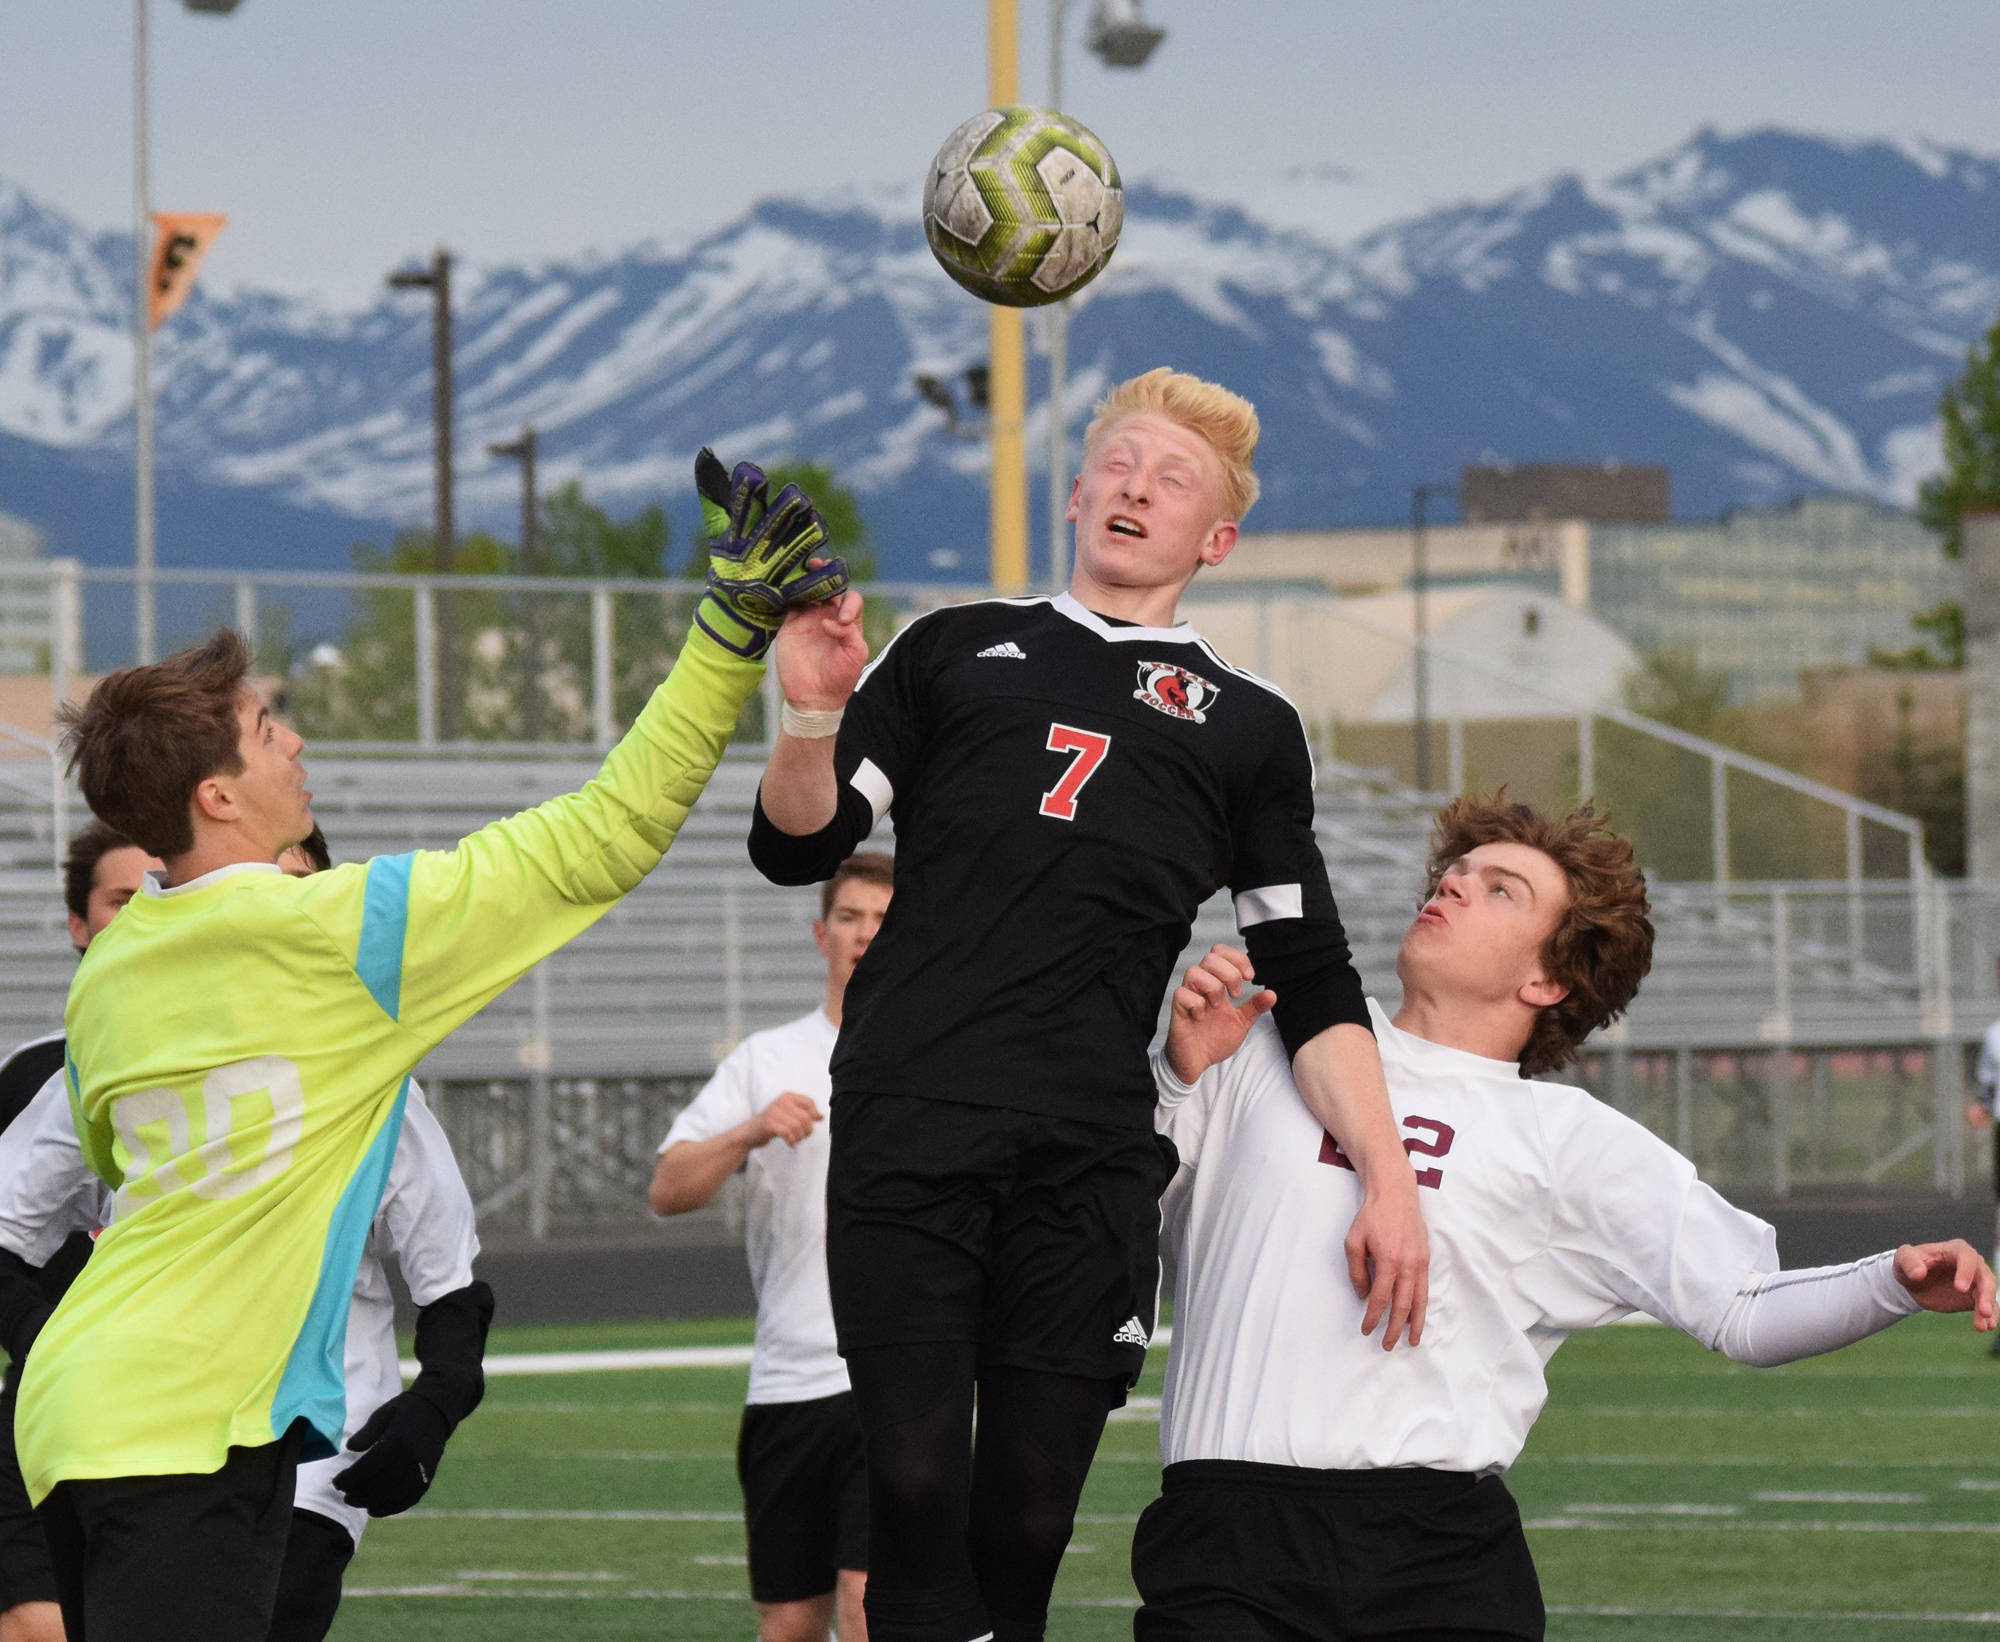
180, 240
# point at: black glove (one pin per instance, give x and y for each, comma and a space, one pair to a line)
401, 1443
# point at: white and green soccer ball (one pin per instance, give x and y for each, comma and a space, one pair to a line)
1023, 206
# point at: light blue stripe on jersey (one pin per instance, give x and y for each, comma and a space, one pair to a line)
385, 916
314, 1384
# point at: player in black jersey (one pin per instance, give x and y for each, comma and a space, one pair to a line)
101, 873
1071, 779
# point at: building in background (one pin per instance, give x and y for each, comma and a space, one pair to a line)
1526, 654
1764, 594
1608, 492
24, 597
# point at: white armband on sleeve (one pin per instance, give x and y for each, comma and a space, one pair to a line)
1781, 1316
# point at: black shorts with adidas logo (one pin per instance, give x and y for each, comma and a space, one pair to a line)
1035, 1238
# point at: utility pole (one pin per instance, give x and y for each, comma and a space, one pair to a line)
1056, 319
145, 525
1420, 624
437, 280
522, 450
1008, 506
145, 508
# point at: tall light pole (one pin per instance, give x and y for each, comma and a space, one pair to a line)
437, 280
522, 450
1007, 508
145, 515
1122, 39
1420, 623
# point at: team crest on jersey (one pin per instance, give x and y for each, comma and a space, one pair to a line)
1175, 691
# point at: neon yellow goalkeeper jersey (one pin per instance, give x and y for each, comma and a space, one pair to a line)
239, 1050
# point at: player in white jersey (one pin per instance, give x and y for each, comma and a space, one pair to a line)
798, 1456
49, 1197
1980, 1113
1317, 1487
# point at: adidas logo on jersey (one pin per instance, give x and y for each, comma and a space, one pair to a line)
1011, 650
1133, 1333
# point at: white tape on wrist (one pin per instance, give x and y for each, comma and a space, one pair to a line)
809, 724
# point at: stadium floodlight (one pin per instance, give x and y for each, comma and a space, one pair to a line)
1120, 34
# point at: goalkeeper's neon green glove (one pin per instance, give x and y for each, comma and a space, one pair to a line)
757, 552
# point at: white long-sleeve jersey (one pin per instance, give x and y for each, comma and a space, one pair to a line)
1548, 1212
48, 1191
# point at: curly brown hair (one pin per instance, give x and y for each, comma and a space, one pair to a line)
1601, 947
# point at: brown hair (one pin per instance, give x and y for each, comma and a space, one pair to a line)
148, 736
79, 871
1227, 421
869, 866
1602, 945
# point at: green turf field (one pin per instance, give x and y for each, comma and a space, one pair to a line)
1669, 1494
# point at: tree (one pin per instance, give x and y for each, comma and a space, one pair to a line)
1970, 412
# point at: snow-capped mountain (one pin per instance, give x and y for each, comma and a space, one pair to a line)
1765, 313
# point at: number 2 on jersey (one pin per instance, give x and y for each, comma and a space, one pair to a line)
1088, 749
1438, 1144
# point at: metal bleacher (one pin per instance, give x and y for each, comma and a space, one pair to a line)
706, 950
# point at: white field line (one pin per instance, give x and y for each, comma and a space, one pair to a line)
588, 1593
1651, 1510
1797, 1496
1604, 1611
506, 1514
598, 1593
1740, 1461
1613, 1411
608, 1362
1737, 1525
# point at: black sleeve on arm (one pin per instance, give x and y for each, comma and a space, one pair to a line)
24, 1308
812, 857
451, 1348
876, 756
1284, 905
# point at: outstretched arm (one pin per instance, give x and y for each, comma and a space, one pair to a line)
1781, 1316
438, 934
691, 1172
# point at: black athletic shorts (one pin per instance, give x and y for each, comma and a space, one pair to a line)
1235, 1552
26, 1574
1037, 1239
189, 1557
805, 1496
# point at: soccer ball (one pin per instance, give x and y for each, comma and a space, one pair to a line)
1023, 206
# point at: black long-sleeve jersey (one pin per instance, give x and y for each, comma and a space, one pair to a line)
1068, 790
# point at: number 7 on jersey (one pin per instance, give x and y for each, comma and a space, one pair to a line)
1088, 748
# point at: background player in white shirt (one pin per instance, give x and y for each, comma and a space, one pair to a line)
798, 1457
1317, 1487
1980, 1113
50, 1200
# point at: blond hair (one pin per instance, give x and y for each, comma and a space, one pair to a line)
1226, 421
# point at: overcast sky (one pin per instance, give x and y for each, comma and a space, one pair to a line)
344, 136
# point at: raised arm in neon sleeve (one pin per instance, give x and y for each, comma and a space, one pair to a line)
445, 931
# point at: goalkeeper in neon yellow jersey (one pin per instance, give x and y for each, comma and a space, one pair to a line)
239, 1046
